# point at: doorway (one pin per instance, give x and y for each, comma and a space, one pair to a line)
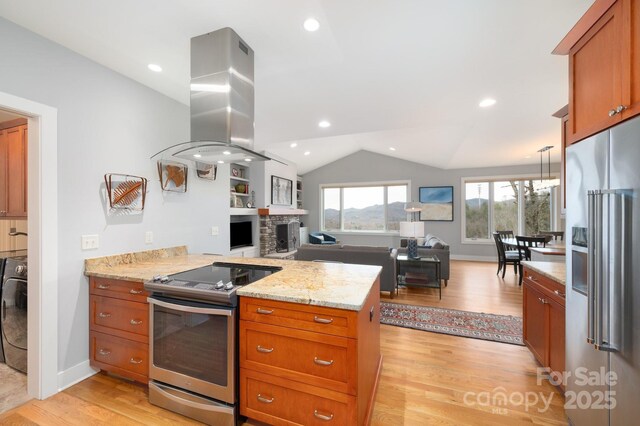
41, 241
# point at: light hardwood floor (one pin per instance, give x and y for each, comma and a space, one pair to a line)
427, 378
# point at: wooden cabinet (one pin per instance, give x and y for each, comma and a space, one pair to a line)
119, 329
308, 365
544, 319
13, 170
604, 67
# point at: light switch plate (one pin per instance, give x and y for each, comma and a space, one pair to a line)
148, 237
90, 242
215, 230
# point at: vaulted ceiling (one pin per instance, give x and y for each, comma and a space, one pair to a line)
402, 74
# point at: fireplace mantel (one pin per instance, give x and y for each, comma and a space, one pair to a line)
271, 211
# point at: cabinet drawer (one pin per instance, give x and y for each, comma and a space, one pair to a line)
303, 317
321, 360
120, 317
121, 356
270, 400
121, 289
548, 286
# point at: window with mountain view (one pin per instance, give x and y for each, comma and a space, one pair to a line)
524, 206
375, 208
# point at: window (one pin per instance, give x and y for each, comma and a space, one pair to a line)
525, 206
364, 208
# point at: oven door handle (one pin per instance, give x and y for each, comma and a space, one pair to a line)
191, 309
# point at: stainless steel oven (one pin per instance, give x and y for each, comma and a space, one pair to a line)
193, 366
193, 360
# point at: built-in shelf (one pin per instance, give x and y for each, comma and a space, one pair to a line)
234, 211
239, 194
239, 179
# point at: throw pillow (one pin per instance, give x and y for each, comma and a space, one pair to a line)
320, 237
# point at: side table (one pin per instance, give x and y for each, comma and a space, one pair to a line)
421, 278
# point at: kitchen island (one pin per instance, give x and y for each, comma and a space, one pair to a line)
309, 334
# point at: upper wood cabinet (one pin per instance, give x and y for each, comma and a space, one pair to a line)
13, 171
604, 67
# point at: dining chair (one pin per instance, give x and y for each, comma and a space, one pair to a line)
505, 234
557, 235
505, 257
524, 245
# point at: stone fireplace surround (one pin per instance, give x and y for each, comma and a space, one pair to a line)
268, 231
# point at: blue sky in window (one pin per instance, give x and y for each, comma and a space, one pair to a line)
436, 195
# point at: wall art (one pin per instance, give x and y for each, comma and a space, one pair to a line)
437, 203
125, 192
281, 191
173, 176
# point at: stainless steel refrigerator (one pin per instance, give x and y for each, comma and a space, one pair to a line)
603, 278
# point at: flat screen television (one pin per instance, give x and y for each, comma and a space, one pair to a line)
240, 234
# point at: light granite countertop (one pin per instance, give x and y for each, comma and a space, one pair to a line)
335, 285
552, 270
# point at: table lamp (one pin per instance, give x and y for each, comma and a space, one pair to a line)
412, 230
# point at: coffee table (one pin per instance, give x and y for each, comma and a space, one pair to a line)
420, 278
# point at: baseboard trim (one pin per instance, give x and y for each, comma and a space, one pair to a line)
75, 374
474, 258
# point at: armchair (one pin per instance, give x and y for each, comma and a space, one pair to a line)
321, 238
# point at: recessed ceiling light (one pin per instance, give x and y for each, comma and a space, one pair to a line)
392, 148
528, 156
220, 162
197, 155
226, 152
487, 102
247, 159
307, 152
154, 67
293, 145
324, 124
311, 25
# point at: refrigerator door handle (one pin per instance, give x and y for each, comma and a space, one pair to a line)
591, 265
599, 275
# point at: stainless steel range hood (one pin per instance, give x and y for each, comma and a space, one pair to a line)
222, 102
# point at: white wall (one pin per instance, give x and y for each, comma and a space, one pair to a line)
263, 172
107, 123
365, 166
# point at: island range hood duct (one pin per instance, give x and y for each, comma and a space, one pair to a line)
222, 98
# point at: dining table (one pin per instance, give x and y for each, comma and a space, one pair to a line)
512, 244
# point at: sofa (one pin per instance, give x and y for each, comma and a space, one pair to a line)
432, 245
359, 255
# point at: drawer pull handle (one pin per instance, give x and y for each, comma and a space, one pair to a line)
322, 362
323, 320
104, 352
531, 277
558, 293
103, 286
264, 311
135, 322
135, 361
134, 291
322, 416
264, 350
265, 400
543, 301
104, 314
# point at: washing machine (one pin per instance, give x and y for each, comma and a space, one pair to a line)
13, 312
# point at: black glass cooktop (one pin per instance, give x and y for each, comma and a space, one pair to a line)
217, 282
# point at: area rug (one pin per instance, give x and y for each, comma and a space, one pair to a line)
497, 328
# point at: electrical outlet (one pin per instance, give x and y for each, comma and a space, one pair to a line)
90, 242
148, 237
215, 230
